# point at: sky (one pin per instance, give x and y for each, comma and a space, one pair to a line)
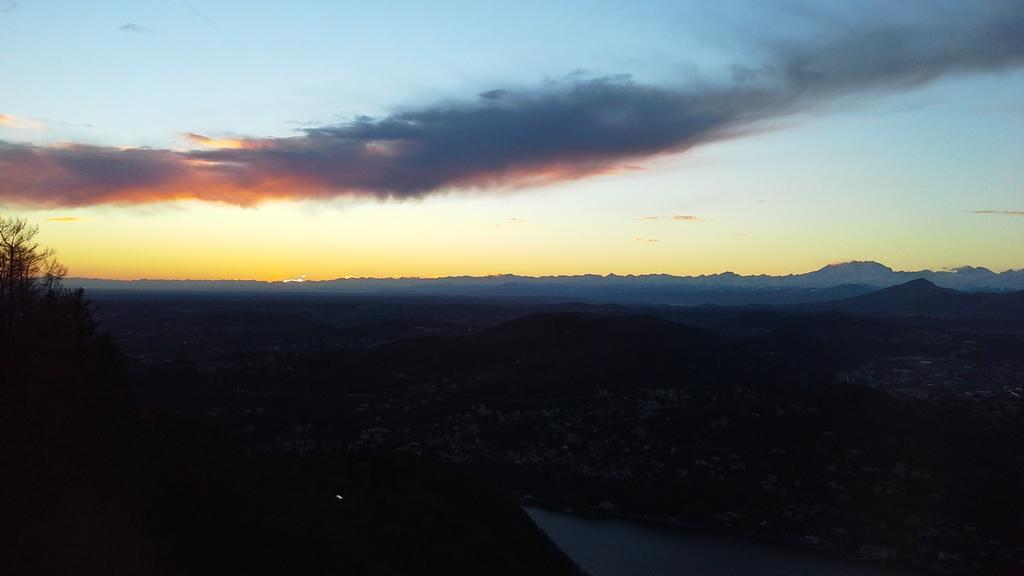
270, 140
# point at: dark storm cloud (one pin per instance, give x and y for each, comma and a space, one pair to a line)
512, 138
80, 175
525, 138
938, 38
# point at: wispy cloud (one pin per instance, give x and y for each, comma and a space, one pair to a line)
201, 16
63, 219
673, 218
134, 28
998, 212
11, 121
510, 221
513, 138
647, 240
9, 5
208, 142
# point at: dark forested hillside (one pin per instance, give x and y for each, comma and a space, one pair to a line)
92, 484
923, 298
870, 438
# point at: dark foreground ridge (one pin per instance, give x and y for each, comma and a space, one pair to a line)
890, 439
400, 435
94, 485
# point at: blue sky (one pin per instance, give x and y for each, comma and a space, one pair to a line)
892, 172
265, 69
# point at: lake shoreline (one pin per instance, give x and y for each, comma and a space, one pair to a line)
794, 542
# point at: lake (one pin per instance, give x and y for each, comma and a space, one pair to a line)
612, 547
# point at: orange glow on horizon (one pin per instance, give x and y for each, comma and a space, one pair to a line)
221, 143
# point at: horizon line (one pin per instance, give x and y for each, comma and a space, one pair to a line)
304, 280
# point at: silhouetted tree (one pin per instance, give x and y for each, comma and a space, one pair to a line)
27, 272
52, 359
65, 411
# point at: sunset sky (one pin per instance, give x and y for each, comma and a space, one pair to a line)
231, 139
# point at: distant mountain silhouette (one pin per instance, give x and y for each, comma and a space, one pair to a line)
828, 283
866, 273
921, 297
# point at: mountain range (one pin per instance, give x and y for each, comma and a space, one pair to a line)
832, 282
923, 298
